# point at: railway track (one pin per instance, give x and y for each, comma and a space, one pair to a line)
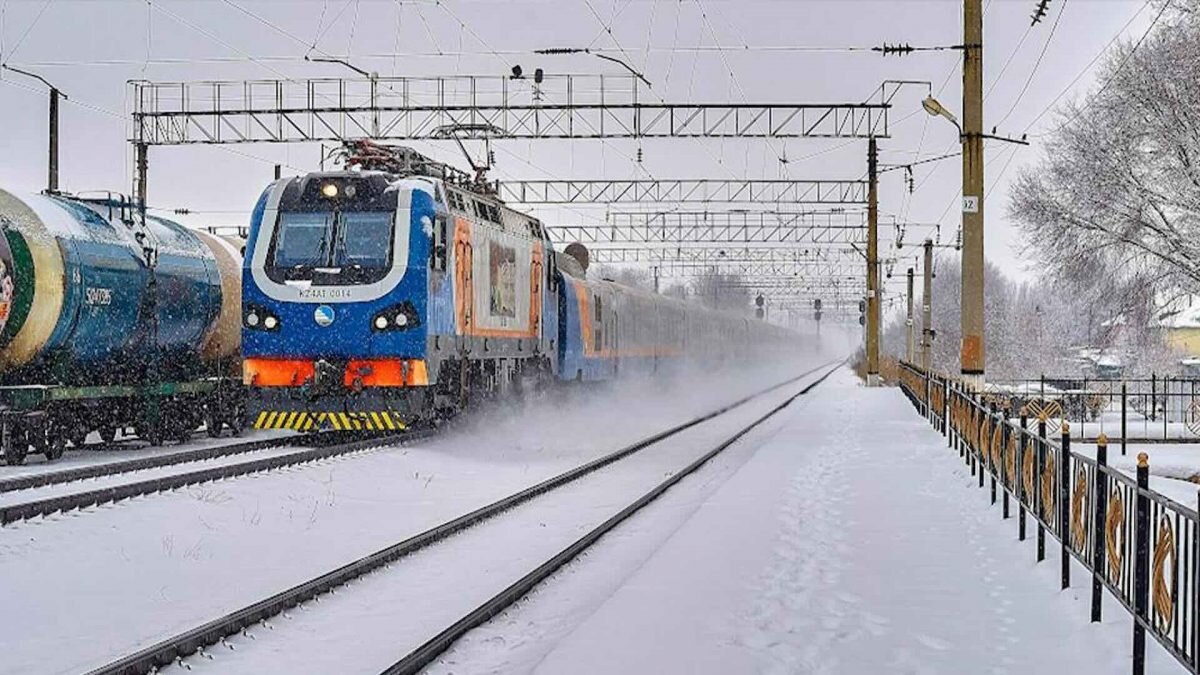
325, 445
101, 469
188, 642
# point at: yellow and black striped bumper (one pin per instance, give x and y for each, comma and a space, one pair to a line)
340, 421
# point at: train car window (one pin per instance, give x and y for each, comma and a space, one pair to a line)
438, 258
552, 271
598, 331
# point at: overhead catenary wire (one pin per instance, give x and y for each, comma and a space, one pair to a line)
1117, 71
276, 28
1081, 73
1033, 72
28, 29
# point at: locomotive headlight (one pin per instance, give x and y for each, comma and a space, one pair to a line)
351, 191
381, 322
270, 323
252, 319
401, 319
330, 190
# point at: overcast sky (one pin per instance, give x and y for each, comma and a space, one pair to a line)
707, 50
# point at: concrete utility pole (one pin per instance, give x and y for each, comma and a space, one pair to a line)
911, 323
52, 179
973, 355
872, 263
927, 308
55, 94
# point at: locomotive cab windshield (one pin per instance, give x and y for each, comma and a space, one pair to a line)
334, 230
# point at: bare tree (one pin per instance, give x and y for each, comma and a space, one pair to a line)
1114, 206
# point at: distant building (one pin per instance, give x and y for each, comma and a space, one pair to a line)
1180, 326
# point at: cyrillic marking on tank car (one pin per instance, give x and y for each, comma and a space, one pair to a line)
98, 296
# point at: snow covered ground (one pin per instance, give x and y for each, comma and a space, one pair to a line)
118, 577
851, 541
1172, 466
843, 536
371, 623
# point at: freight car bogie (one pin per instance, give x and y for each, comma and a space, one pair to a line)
46, 419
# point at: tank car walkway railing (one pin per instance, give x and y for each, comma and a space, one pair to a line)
1141, 546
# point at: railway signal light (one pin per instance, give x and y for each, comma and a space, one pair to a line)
862, 312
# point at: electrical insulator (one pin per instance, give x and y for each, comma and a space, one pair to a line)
1039, 12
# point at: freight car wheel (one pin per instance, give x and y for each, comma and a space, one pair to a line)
77, 435
108, 434
212, 421
152, 435
15, 452
236, 420
55, 445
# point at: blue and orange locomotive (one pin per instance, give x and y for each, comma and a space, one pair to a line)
402, 289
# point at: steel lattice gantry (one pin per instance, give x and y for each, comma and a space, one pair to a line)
756, 261
390, 108
685, 191
704, 227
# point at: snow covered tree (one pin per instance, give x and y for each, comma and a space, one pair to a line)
1114, 205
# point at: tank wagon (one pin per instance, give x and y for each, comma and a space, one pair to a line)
95, 338
402, 289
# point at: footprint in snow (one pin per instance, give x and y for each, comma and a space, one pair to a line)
933, 643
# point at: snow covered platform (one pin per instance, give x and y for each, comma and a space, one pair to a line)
851, 540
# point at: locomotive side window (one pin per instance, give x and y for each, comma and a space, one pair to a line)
598, 321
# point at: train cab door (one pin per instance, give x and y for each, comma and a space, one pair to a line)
535, 299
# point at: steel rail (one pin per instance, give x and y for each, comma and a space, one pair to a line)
103, 469
76, 500
176, 647
426, 653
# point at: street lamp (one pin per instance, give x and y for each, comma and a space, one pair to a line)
936, 109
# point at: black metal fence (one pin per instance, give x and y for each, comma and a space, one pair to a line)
1153, 408
1143, 547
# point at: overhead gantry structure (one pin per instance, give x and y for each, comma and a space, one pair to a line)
683, 227
567, 107
402, 108
685, 191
